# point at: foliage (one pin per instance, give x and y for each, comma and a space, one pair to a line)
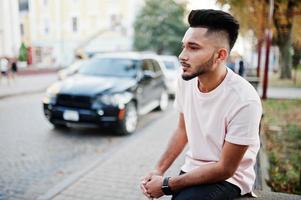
284, 17
284, 144
23, 53
253, 15
160, 27
250, 14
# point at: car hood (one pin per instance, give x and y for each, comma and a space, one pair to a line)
92, 85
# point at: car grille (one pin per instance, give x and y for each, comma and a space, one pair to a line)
74, 101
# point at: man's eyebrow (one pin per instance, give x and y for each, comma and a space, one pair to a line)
192, 44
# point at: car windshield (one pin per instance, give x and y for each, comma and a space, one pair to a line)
120, 67
170, 65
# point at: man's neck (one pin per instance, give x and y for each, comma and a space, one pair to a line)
212, 80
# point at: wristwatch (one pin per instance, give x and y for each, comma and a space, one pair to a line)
165, 188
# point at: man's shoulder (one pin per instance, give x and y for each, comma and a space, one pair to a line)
242, 88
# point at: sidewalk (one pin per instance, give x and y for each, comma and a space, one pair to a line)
116, 176
281, 93
31, 83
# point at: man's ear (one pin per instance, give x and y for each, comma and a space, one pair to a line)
222, 55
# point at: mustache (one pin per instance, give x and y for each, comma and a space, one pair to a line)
184, 64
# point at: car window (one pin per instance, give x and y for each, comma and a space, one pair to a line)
120, 67
157, 67
147, 65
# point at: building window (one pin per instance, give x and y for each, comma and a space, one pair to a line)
74, 24
22, 29
45, 2
46, 26
23, 5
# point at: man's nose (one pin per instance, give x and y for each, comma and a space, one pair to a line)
183, 55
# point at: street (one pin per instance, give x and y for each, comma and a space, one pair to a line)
35, 157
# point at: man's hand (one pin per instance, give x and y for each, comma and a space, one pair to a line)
153, 187
146, 179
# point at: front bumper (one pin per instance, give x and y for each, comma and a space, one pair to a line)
103, 117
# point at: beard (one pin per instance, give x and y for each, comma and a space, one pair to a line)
200, 69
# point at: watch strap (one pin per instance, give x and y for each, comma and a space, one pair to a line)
165, 187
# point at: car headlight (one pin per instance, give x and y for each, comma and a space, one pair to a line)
115, 99
51, 94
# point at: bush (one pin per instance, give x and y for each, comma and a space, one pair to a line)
23, 53
284, 145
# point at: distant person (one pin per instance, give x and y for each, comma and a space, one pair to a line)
219, 115
4, 69
241, 68
14, 67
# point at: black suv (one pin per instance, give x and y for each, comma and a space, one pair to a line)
109, 90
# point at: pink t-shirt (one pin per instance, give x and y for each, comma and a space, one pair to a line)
231, 112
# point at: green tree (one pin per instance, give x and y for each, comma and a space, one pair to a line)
160, 27
23, 53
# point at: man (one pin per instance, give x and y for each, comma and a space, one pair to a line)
219, 116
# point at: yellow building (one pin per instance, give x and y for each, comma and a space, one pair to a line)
10, 40
57, 28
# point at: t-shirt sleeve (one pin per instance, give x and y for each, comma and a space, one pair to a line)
243, 127
178, 102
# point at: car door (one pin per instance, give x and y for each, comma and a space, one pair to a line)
158, 81
146, 85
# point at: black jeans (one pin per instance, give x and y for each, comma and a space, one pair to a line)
217, 191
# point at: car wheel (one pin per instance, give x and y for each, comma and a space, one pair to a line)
163, 101
130, 121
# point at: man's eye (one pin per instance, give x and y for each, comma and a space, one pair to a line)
194, 48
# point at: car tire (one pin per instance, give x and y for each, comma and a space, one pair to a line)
163, 101
129, 123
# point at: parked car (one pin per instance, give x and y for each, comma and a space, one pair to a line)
109, 90
171, 72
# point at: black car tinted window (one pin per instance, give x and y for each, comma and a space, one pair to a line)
120, 67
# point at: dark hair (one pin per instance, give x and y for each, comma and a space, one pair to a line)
215, 21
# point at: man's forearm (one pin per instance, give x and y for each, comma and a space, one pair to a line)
210, 173
213, 172
175, 146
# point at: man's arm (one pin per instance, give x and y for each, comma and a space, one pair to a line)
212, 173
175, 146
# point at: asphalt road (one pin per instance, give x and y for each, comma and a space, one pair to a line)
35, 156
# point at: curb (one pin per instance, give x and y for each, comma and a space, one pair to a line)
264, 166
36, 71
